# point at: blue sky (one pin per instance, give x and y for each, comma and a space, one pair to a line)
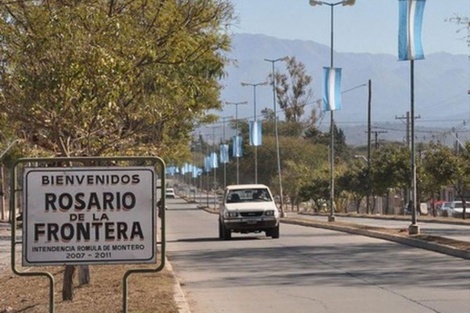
370, 26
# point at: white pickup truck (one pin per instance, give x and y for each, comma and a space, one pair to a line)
248, 209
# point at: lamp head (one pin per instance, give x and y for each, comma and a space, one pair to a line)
349, 2
314, 3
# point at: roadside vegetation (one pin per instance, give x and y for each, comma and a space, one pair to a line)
105, 78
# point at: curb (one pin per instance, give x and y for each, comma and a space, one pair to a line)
178, 294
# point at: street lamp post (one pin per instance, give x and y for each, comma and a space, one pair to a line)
223, 141
237, 133
331, 217
254, 122
276, 133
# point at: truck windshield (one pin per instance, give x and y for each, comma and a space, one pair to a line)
248, 195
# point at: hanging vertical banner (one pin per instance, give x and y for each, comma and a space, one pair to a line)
237, 146
207, 164
196, 172
224, 153
188, 168
255, 133
171, 170
409, 29
214, 160
331, 89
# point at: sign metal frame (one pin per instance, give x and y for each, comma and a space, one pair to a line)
145, 208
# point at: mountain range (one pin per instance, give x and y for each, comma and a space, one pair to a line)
441, 92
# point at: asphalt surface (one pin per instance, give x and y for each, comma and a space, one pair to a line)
313, 269
440, 228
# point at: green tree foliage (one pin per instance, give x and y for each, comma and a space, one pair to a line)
317, 188
110, 77
342, 151
303, 162
446, 167
390, 169
105, 77
355, 181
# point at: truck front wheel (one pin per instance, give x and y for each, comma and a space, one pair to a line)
224, 233
274, 232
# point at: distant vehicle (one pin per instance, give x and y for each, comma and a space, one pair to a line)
170, 193
444, 209
457, 209
248, 209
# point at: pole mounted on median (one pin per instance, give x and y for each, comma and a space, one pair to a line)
255, 121
331, 217
237, 134
276, 133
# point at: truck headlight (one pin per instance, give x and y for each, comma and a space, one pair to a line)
269, 213
231, 214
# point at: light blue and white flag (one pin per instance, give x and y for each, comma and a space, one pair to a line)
196, 172
255, 133
224, 153
237, 146
207, 164
331, 89
214, 160
171, 170
186, 168
409, 29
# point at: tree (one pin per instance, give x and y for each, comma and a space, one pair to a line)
462, 20
355, 181
293, 92
448, 167
93, 78
317, 188
342, 150
390, 169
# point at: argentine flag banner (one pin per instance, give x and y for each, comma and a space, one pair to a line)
214, 160
207, 163
409, 29
196, 172
255, 133
223, 153
331, 89
237, 146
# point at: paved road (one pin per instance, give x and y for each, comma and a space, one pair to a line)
308, 270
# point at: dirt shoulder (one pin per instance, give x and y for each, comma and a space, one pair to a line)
147, 293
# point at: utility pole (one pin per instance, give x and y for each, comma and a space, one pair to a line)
376, 136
